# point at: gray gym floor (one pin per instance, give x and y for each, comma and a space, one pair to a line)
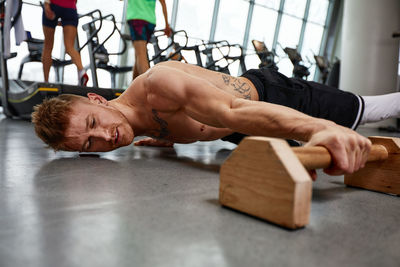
144, 206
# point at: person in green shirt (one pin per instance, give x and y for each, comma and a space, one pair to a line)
141, 18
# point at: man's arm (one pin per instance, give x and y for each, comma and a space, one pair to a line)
171, 89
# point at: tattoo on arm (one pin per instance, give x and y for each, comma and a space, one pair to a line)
226, 79
241, 87
163, 132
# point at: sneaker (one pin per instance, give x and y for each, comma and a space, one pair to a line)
83, 80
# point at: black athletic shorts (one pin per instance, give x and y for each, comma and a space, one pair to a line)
311, 98
69, 16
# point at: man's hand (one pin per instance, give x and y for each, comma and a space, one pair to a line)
48, 12
153, 142
348, 149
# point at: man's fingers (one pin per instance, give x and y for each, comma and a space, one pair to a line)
357, 160
367, 149
360, 154
350, 158
153, 142
138, 143
144, 142
349, 150
340, 160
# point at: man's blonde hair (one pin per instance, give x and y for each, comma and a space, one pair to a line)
51, 119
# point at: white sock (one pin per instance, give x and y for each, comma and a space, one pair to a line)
381, 107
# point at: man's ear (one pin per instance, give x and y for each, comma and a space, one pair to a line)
97, 99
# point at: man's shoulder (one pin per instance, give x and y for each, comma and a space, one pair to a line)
135, 91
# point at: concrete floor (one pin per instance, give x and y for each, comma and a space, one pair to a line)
143, 206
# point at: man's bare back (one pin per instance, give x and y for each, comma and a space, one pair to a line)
172, 123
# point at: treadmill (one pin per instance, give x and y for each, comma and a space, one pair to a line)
18, 97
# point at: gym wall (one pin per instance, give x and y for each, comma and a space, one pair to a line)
369, 53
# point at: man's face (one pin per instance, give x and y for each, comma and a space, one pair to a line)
97, 127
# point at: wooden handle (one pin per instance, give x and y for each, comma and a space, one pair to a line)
318, 157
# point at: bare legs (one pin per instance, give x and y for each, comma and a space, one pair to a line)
141, 61
47, 49
69, 40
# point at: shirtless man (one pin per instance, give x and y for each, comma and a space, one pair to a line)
182, 103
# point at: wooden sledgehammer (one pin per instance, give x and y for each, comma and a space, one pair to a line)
266, 178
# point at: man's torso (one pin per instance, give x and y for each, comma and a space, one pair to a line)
176, 125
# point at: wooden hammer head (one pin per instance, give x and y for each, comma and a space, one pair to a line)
382, 176
264, 178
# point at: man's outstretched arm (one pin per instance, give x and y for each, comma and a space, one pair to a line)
171, 89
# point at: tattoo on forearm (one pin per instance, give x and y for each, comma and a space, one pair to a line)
163, 132
226, 79
241, 87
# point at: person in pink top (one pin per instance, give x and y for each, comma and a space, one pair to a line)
52, 12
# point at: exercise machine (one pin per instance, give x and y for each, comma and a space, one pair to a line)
35, 48
166, 48
323, 66
212, 55
334, 74
221, 55
299, 69
18, 97
99, 56
266, 56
